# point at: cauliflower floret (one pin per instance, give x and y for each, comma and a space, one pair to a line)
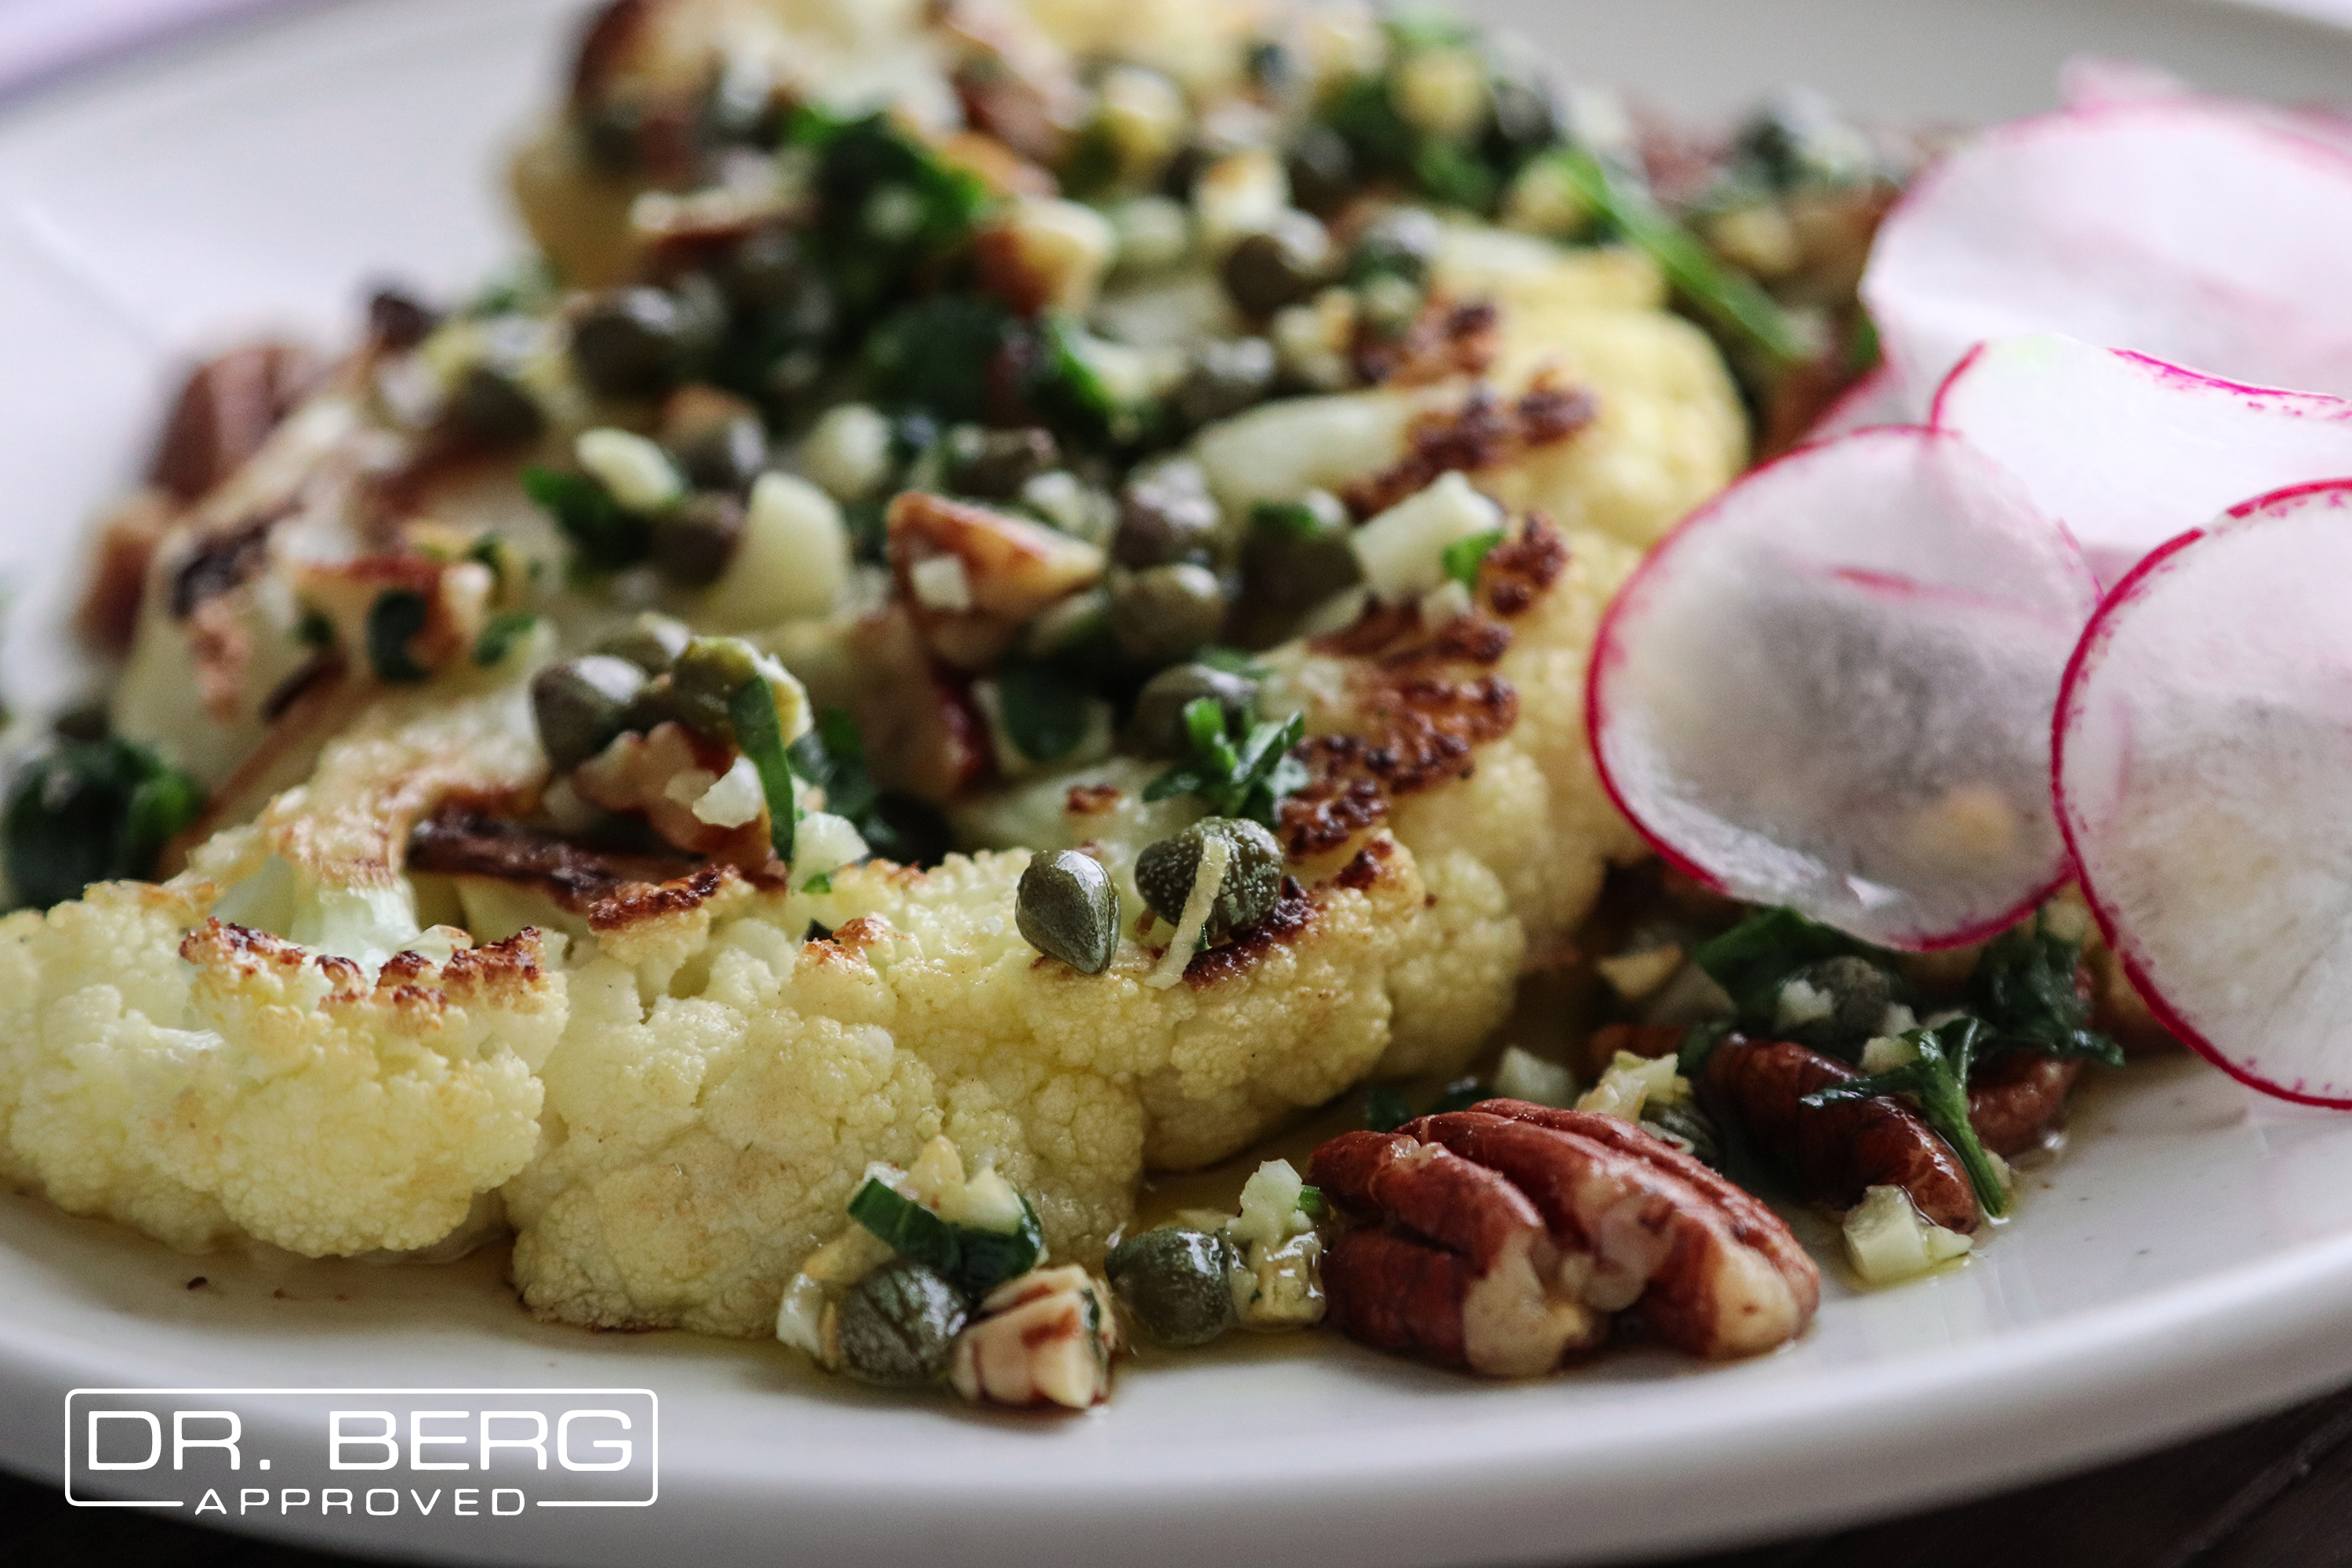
707, 1119
267, 1043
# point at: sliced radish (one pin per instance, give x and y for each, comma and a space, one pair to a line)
1879, 398
2204, 743
2127, 451
1831, 686
2184, 227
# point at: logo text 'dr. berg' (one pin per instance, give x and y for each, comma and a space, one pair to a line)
384, 1453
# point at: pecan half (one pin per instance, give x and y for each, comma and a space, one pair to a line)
2018, 1099
1836, 1152
226, 410
1457, 1264
1458, 1209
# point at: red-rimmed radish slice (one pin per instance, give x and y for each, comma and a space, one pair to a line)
2185, 228
1879, 398
2204, 750
2127, 451
1831, 687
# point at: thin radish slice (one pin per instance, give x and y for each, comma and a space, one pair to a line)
2127, 451
2182, 227
2203, 745
1878, 399
1831, 689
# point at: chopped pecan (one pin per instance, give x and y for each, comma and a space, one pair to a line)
1836, 1152
1604, 1217
2017, 1100
226, 412
1045, 1338
972, 577
1455, 1263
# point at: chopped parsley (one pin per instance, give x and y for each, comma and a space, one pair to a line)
1241, 769
1937, 1078
973, 1261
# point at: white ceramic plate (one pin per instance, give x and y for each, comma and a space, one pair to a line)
2188, 1262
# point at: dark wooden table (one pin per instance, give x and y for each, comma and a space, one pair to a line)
2276, 1493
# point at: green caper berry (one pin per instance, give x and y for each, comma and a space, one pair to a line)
630, 343
1859, 993
1156, 729
1066, 908
1278, 267
1166, 613
994, 464
581, 704
725, 454
1161, 519
1299, 553
1693, 1125
652, 642
1322, 168
1174, 1281
1224, 376
493, 410
1246, 895
692, 546
897, 1326
710, 671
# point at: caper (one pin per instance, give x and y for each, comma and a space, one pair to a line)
493, 409
1224, 376
1299, 553
1400, 243
994, 464
1322, 168
1247, 892
1155, 728
897, 1326
1067, 908
1166, 613
692, 546
1162, 517
718, 441
633, 342
763, 272
1278, 266
1174, 1281
704, 680
581, 704
1833, 1004
1687, 1123
652, 642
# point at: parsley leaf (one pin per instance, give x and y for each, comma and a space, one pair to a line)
1730, 299
1045, 715
499, 636
2024, 987
832, 756
1463, 558
603, 537
1938, 1079
1244, 770
1752, 959
760, 734
393, 621
88, 812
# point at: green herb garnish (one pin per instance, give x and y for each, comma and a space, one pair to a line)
393, 621
1242, 771
1937, 1078
2024, 988
1730, 299
499, 636
603, 537
1310, 1201
1463, 558
92, 812
832, 756
1753, 959
759, 735
1045, 713
975, 1261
